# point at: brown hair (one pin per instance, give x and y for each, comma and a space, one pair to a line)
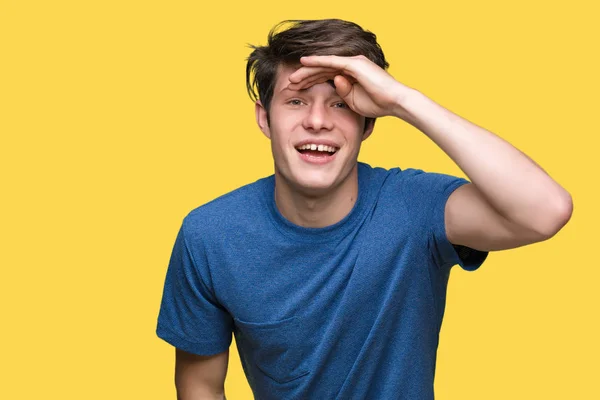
304, 38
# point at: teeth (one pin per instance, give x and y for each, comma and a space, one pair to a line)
318, 147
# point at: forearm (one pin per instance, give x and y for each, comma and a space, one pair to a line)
199, 393
511, 182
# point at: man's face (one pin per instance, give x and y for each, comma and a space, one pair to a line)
302, 120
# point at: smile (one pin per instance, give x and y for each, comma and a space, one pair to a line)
318, 148
317, 153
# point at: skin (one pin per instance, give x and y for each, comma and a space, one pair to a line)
307, 194
511, 201
200, 377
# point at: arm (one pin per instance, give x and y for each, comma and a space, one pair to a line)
511, 201
200, 377
192, 321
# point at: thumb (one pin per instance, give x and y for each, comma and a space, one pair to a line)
343, 87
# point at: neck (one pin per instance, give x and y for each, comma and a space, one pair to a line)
316, 210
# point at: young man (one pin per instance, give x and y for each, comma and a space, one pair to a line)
332, 274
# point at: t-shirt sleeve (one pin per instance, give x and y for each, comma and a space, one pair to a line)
190, 316
432, 191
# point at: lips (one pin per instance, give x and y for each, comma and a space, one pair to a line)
317, 151
313, 148
316, 156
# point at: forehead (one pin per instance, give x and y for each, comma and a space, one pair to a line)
283, 72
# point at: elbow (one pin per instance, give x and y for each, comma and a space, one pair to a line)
558, 218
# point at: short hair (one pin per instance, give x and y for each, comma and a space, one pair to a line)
291, 39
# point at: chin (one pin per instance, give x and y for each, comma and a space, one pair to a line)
313, 181
315, 184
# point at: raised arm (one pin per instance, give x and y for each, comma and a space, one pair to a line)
511, 202
200, 377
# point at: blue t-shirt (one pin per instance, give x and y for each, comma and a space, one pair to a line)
348, 311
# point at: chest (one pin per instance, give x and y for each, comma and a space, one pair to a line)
282, 279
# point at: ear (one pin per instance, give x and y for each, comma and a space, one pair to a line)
368, 128
261, 118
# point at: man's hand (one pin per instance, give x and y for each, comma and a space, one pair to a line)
366, 88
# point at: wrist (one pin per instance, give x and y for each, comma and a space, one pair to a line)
410, 105
405, 101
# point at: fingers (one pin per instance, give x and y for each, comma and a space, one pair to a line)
344, 81
305, 77
342, 63
319, 69
343, 86
305, 72
314, 67
311, 80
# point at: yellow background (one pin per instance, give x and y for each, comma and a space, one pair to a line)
119, 117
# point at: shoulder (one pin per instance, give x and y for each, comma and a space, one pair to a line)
396, 175
241, 205
376, 178
415, 190
412, 183
419, 185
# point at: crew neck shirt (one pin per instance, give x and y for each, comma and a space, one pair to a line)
348, 311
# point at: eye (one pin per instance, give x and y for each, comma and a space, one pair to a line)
341, 104
295, 102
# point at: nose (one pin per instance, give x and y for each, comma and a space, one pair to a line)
318, 118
